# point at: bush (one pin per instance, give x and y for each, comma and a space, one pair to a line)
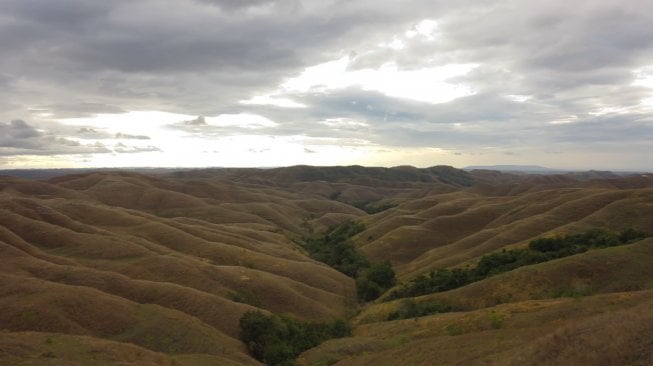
245, 296
277, 340
410, 309
374, 280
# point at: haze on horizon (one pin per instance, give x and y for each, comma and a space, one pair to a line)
192, 83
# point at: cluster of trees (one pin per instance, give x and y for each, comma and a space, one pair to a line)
336, 249
372, 207
539, 250
408, 308
373, 281
278, 340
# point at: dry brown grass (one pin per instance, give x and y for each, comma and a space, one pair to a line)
620, 337
130, 265
459, 228
98, 256
494, 335
39, 348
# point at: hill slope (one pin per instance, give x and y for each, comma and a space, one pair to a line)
122, 267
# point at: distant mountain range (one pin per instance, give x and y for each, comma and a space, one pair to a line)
517, 168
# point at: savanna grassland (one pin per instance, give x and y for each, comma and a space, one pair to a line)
216, 266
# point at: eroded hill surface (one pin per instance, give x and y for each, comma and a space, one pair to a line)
129, 268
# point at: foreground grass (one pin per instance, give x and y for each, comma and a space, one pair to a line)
594, 330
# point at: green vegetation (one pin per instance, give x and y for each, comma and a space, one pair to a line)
245, 296
374, 207
454, 329
336, 250
496, 320
278, 340
374, 280
538, 251
410, 309
30, 316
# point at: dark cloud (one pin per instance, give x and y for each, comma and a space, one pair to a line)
16, 130
19, 138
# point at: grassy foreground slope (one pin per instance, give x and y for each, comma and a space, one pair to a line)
602, 329
590, 308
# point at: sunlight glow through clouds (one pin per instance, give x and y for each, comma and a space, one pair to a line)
518, 98
343, 123
166, 148
565, 120
271, 99
141, 122
242, 120
647, 103
240, 151
644, 77
425, 28
428, 84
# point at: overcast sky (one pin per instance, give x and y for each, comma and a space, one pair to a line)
564, 84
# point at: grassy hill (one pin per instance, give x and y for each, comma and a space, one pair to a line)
116, 267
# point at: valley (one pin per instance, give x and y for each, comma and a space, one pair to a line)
159, 268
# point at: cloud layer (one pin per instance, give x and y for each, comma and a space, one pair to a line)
560, 83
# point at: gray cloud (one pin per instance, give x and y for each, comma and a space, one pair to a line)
82, 109
199, 121
181, 56
124, 136
19, 138
16, 130
125, 149
92, 133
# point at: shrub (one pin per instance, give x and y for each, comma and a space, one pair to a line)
496, 320
277, 340
410, 309
245, 296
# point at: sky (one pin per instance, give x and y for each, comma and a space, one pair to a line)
261, 83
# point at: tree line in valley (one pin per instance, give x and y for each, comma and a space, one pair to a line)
538, 251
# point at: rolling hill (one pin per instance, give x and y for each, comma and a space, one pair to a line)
116, 267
